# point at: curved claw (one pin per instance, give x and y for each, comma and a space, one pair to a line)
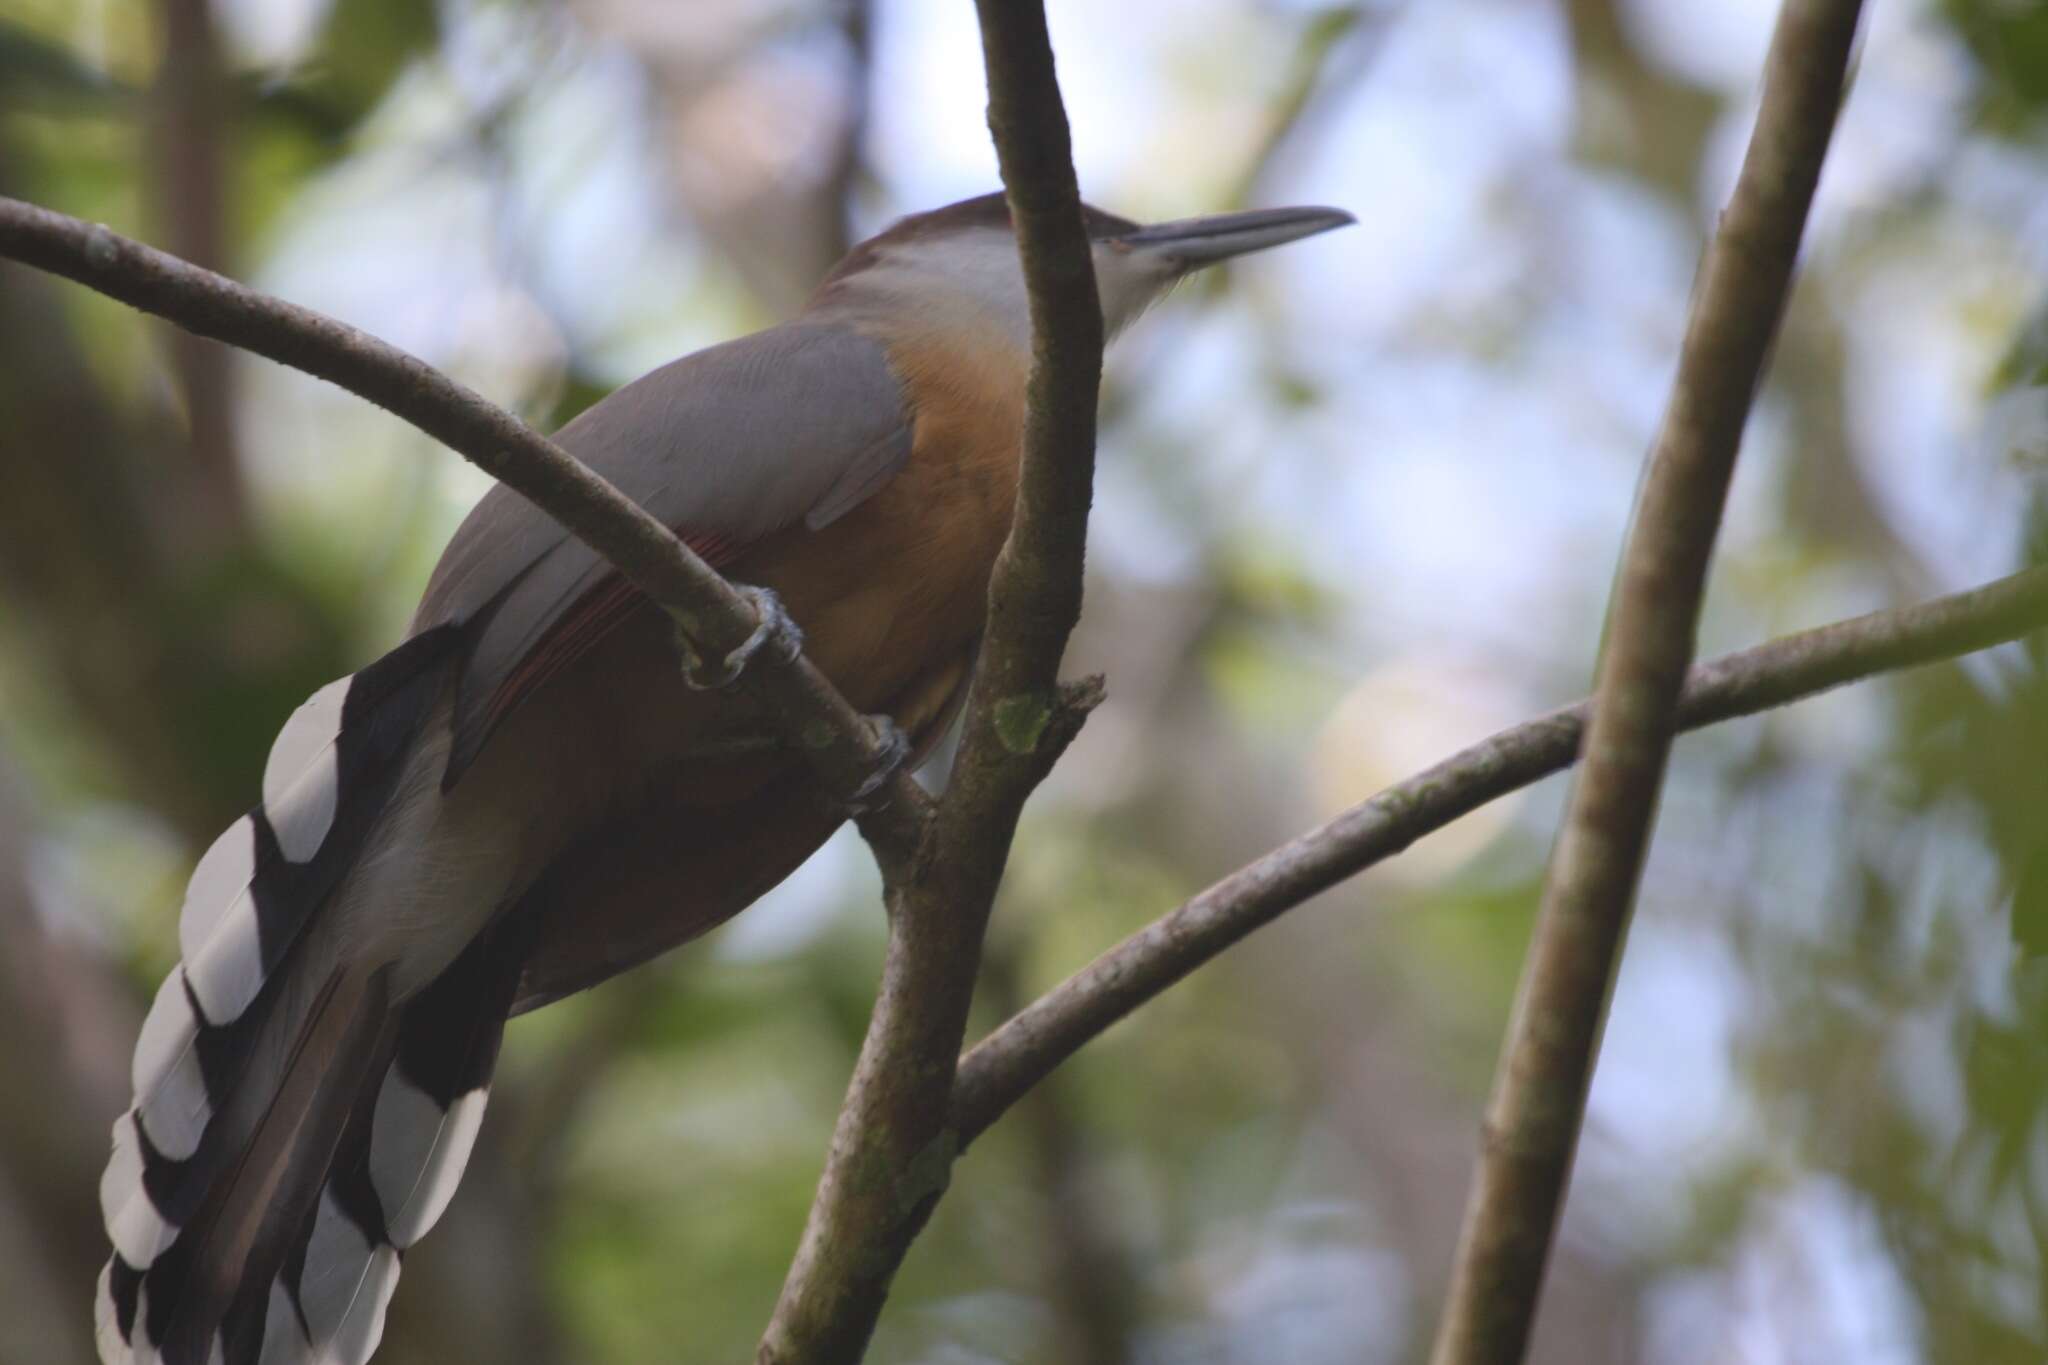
895, 747
773, 626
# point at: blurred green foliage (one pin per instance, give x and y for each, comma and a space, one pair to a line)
1821, 1129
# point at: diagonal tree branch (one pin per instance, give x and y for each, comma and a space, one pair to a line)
1001, 1068
892, 1151
1539, 1097
717, 618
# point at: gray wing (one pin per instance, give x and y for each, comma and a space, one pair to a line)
800, 423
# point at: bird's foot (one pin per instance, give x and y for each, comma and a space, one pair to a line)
893, 752
774, 628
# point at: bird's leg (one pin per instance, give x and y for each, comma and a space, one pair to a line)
773, 627
776, 628
892, 744
893, 748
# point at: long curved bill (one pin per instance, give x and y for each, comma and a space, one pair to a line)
1192, 243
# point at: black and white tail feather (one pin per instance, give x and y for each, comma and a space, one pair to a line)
294, 1129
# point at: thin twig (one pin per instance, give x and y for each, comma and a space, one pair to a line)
1005, 1065
892, 1153
1539, 1097
806, 707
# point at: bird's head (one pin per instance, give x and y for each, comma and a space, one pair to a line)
957, 266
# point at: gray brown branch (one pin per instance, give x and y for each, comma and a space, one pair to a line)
1010, 1061
1086, 1275
717, 619
892, 1150
63, 1078
1538, 1103
189, 190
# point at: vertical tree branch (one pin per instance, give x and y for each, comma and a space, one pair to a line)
892, 1150
1086, 1276
1533, 1119
63, 1077
849, 160
189, 187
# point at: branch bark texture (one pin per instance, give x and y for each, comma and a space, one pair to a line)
717, 618
892, 1149
1532, 1121
1004, 1066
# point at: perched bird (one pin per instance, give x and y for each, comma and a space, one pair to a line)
526, 796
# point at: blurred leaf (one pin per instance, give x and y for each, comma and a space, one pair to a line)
367, 43
2025, 362
2003, 1071
578, 391
2010, 42
1462, 951
35, 72
363, 48
2030, 904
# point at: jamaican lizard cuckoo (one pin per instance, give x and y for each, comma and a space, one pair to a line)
526, 797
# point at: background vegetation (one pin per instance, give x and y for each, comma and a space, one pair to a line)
1357, 505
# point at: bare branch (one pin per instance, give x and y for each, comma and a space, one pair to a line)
1539, 1097
188, 184
57, 1096
1085, 1270
892, 1152
717, 619
1016, 1056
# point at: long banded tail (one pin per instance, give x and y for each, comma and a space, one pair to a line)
293, 1127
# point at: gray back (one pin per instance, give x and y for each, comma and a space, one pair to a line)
802, 422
